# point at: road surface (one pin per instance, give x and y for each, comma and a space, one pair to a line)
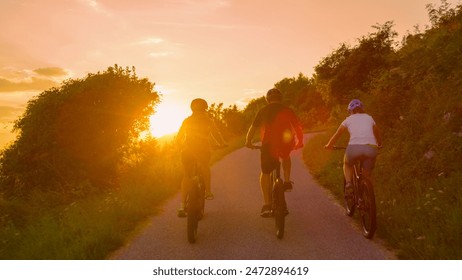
232, 229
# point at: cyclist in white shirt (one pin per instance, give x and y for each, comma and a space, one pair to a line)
364, 141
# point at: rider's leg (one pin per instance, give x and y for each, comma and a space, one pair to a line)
186, 184
268, 163
370, 154
265, 186
286, 167
206, 174
348, 172
352, 154
186, 181
204, 163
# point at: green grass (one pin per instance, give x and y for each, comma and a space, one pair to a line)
86, 229
418, 217
48, 227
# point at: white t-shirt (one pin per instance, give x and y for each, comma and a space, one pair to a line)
360, 127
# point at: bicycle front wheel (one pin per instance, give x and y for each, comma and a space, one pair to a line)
368, 209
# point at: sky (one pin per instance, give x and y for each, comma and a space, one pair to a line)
226, 51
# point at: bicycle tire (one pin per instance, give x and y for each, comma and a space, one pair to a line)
201, 200
368, 209
193, 213
350, 204
279, 209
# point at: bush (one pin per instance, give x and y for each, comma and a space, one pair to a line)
76, 135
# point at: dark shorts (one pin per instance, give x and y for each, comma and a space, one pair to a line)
189, 158
366, 153
270, 156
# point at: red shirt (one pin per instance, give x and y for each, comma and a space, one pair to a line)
278, 125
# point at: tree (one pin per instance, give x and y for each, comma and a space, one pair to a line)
347, 71
78, 133
230, 121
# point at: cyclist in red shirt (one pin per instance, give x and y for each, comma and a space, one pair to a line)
279, 126
194, 138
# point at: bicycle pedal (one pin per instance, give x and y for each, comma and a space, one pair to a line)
266, 215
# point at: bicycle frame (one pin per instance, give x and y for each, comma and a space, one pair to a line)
277, 198
363, 199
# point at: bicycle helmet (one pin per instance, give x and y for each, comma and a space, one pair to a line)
199, 105
273, 95
355, 103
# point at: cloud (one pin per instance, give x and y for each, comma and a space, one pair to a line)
203, 4
151, 41
51, 72
249, 95
31, 80
10, 113
33, 83
95, 6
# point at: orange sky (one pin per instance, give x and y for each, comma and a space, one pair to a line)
223, 50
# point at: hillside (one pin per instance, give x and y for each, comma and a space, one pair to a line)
414, 92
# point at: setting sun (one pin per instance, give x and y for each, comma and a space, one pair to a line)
167, 119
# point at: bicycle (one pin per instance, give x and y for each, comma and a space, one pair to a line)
195, 201
278, 201
362, 198
195, 204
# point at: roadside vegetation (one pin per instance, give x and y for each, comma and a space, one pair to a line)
80, 180
414, 92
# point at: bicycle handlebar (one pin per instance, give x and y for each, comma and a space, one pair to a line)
254, 147
344, 148
217, 147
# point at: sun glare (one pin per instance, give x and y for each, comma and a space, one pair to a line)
167, 119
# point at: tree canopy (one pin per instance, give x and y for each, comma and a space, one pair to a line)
76, 134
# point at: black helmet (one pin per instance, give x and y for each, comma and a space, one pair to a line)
273, 95
199, 105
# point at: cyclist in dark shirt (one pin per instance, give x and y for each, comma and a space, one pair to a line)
194, 138
280, 133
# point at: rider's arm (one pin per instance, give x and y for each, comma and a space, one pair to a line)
298, 127
341, 129
179, 139
216, 134
253, 128
250, 134
377, 134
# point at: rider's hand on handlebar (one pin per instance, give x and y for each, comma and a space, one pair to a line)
249, 145
252, 146
298, 146
328, 147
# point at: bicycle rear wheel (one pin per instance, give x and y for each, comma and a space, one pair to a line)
279, 208
201, 200
193, 213
368, 209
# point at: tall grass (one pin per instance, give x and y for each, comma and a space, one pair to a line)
51, 228
85, 229
420, 218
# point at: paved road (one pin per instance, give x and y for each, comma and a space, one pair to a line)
232, 229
